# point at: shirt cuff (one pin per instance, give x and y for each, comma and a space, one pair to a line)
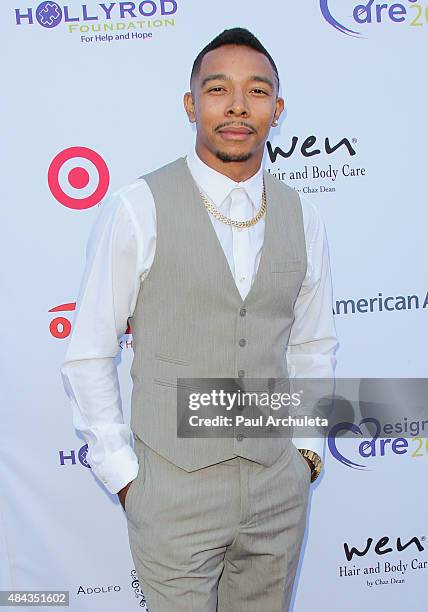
117, 469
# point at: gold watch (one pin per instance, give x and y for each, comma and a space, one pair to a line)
315, 460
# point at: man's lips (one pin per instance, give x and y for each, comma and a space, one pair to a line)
235, 133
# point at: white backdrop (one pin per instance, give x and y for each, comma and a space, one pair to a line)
347, 72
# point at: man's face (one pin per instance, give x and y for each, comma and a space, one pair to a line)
233, 103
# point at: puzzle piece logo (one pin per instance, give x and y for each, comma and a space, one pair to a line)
49, 14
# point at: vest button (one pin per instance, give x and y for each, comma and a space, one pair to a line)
239, 437
241, 373
242, 342
243, 312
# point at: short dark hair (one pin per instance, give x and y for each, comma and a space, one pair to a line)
233, 36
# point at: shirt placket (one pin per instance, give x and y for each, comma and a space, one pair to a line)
241, 210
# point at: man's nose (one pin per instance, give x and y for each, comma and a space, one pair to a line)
238, 105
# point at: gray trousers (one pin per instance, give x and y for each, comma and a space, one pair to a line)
224, 538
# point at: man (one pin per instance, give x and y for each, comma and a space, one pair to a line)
223, 272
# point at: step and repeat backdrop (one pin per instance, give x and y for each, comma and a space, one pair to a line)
92, 99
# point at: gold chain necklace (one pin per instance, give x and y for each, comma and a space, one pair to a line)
248, 223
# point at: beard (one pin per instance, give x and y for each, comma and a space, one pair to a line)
228, 157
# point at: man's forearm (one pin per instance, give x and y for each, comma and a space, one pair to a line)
93, 389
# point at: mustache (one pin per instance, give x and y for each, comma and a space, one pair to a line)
236, 124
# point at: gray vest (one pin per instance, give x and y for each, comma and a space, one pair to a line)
190, 320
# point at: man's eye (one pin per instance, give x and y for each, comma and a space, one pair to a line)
257, 90
217, 88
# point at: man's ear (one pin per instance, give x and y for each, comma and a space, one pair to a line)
189, 106
278, 109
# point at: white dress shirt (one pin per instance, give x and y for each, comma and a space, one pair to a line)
119, 254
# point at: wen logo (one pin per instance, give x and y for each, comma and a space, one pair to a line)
305, 148
381, 547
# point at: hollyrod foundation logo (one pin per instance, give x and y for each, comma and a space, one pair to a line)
67, 457
349, 18
97, 20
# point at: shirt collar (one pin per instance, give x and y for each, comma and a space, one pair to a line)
217, 186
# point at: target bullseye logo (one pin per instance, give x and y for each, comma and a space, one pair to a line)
78, 177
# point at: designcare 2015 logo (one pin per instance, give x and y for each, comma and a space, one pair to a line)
374, 419
349, 18
104, 17
413, 441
